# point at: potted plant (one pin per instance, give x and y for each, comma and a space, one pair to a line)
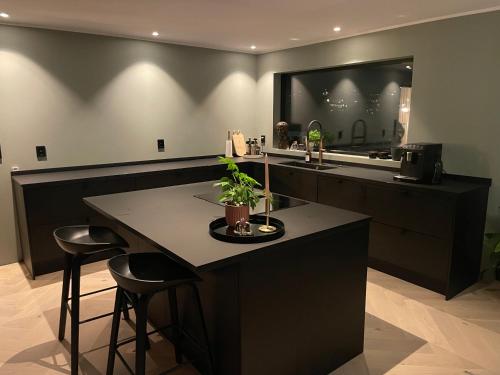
238, 193
314, 138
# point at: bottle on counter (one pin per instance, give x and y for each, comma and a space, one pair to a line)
248, 150
308, 154
229, 145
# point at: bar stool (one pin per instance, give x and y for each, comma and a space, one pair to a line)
139, 277
79, 243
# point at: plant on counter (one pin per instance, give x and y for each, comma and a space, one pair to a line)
238, 193
491, 257
314, 136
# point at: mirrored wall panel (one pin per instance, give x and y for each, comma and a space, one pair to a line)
358, 108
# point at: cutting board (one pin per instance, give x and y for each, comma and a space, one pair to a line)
239, 144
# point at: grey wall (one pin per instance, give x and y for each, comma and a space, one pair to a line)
456, 87
94, 99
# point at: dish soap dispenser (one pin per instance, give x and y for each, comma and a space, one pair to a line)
229, 145
308, 154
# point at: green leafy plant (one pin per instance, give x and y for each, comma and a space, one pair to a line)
314, 136
239, 189
491, 256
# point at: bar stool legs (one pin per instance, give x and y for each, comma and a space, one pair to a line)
68, 260
75, 314
115, 327
140, 303
71, 276
174, 316
204, 327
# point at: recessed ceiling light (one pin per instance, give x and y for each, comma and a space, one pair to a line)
409, 67
253, 47
4, 15
294, 39
155, 33
337, 29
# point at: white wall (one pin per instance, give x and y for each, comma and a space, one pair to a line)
93, 99
456, 87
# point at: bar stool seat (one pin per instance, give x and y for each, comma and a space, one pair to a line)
140, 276
87, 239
145, 273
79, 243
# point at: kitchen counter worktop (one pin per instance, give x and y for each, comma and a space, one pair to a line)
165, 216
370, 174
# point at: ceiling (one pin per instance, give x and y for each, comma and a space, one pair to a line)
234, 24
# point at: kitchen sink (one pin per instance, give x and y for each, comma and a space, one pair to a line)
317, 167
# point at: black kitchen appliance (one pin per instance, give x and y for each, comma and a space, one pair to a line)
421, 163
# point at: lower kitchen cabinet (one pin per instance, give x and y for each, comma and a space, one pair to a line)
430, 237
293, 182
413, 256
342, 193
41, 208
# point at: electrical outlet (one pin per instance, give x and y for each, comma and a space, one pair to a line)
340, 134
41, 153
161, 145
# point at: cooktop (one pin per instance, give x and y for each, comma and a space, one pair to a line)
279, 202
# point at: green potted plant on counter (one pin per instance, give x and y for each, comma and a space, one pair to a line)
238, 193
314, 138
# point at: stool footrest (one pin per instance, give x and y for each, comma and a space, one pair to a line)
95, 292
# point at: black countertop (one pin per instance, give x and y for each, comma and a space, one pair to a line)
174, 220
366, 174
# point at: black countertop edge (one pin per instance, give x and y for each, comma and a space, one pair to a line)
341, 162
281, 245
110, 165
479, 182
237, 258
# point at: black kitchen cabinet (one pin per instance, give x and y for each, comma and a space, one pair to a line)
342, 193
427, 235
432, 238
293, 182
41, 208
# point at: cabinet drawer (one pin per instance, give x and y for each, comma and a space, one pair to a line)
417, 253
54, 203
292, 182
341, 193
421, 212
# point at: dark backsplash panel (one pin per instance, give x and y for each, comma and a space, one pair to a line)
347, 101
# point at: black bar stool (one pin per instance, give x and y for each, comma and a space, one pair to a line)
80, 242
139, 277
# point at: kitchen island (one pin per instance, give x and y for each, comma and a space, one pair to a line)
294, 305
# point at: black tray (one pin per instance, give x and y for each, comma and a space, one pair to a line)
219, 230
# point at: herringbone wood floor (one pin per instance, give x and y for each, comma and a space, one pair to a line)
409, 330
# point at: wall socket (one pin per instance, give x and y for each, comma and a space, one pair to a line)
161, 145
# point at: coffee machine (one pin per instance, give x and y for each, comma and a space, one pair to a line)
421, 163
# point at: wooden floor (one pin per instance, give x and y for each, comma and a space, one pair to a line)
409, 330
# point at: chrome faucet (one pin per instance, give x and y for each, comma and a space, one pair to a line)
321, 149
